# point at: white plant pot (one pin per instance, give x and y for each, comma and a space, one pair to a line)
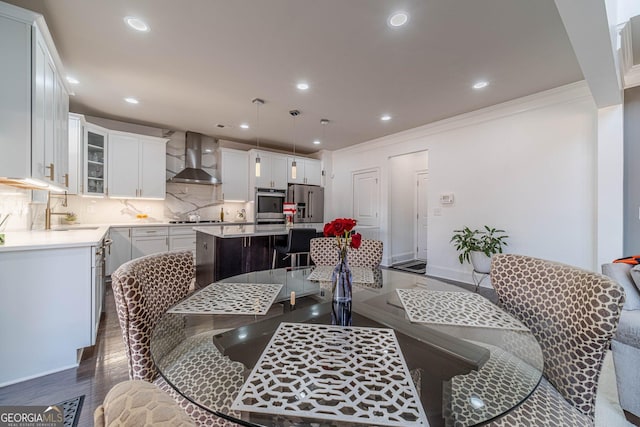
481, 263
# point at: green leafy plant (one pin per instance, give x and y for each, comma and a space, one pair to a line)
488, 241
70, 216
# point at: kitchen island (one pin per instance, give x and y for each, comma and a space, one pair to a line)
227, 251
52, 290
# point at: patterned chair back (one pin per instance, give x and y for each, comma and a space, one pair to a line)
144, 288
324, 252
573, 313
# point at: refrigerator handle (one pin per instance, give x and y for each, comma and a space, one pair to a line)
310, 198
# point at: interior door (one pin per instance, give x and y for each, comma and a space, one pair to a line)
366, 197
422, 180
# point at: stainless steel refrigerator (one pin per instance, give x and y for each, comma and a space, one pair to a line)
309, 200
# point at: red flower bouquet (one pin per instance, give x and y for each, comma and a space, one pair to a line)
342, 229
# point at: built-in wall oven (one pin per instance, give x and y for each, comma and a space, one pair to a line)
269, 203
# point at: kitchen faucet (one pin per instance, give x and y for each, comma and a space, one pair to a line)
48, 212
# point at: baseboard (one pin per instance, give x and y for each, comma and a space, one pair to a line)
398, 258
40, 374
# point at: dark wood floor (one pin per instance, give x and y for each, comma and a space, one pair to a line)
103, 366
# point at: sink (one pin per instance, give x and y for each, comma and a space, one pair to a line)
73, 228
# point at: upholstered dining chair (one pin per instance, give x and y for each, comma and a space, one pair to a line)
323, 252
136, 403
573, 314
144, 288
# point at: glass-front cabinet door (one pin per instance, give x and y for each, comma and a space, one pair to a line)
95, 156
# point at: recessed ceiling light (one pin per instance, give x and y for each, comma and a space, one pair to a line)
316, 142
131, 100
244, 126
398, 19
480, 85
385, 118
136, 23
73, 80
302, 86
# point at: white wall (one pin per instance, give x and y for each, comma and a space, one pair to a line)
527, 166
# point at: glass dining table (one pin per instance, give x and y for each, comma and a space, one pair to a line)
420, 352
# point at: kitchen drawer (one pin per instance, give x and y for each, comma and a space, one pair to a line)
149, 231
181, 230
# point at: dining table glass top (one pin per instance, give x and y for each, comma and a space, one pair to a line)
420, 352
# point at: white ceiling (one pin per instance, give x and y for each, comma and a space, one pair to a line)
205, 60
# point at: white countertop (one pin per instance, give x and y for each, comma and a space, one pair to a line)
230, 231
79, 235
54, 239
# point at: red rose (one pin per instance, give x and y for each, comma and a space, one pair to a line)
338, 227
348, 223
356, 240
328, 229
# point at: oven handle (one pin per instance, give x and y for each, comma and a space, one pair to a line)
278, 194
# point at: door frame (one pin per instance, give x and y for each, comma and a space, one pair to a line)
416, 209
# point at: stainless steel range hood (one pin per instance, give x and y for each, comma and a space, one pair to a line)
193, 172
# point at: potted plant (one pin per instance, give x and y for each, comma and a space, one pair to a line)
477, 246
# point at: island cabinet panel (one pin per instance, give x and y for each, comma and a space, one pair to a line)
218, 258
45, 310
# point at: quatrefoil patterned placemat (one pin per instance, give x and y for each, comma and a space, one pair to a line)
348, 374
455, 308
230, 298
322, 273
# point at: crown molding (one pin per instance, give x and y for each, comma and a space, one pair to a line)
570, 93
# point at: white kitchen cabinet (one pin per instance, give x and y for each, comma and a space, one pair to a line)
33, 100
94, 157
182, 239
136, 166
120, 250
133, 242
76, 152
45, 310
50, 110
61, 137
234, 171
273, 171
308, 171
149, 240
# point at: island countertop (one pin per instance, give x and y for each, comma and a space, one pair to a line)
232, 231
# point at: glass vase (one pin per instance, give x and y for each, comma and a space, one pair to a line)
341, 286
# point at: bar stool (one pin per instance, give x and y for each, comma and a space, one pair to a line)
297, 243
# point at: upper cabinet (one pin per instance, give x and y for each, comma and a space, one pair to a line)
234, 173
308, 171
273, 171
94, 155
136, 166
34, 101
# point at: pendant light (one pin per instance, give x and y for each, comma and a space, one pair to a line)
258, 103
323, 123
294, 166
